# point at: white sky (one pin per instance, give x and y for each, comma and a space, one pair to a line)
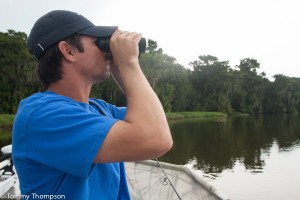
266, 30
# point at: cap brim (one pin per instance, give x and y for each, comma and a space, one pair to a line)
99, 31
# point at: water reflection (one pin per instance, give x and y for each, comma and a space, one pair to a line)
213, 146
217, 145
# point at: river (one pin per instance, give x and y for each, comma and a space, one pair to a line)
253, 157
246, 158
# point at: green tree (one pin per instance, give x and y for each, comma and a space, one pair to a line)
211, 81
109, 91
18, 78
253, 86
286, 94
168, 79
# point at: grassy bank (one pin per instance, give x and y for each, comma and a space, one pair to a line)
188, 115
6, 121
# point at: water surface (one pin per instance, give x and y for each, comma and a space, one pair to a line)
256, 157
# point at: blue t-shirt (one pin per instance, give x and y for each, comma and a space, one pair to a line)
55, 140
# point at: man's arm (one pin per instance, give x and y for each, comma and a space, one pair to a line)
144, 133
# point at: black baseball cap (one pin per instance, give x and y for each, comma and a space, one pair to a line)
58, 25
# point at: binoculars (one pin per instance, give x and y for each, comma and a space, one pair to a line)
103, 44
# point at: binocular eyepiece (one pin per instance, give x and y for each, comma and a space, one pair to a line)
103, 44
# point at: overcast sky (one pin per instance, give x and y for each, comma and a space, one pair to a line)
266, 30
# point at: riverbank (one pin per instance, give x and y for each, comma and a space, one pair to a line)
6, 120
188, 115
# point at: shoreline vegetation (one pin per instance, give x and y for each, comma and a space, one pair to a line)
192, 115
6, 120
209, 84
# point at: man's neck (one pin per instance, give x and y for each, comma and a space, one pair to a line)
74, 90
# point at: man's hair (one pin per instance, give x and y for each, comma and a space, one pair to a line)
49, 66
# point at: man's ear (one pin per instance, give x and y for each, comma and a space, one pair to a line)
67, 51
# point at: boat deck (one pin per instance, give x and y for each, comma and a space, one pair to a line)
147, 181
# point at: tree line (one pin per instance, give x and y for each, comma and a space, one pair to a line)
208, 85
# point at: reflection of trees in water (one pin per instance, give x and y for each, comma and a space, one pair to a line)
215, 146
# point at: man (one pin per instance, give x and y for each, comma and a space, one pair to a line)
65, 143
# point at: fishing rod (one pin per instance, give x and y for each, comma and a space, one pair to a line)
168, 179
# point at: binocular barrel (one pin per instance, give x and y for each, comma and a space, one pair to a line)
103, 44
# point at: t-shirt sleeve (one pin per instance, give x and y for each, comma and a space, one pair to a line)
111, 110
66, 137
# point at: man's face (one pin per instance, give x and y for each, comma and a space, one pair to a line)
92, 62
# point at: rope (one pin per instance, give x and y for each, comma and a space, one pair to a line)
168, 179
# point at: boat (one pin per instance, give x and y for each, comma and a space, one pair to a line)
154, 180
147, 180
9, 185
